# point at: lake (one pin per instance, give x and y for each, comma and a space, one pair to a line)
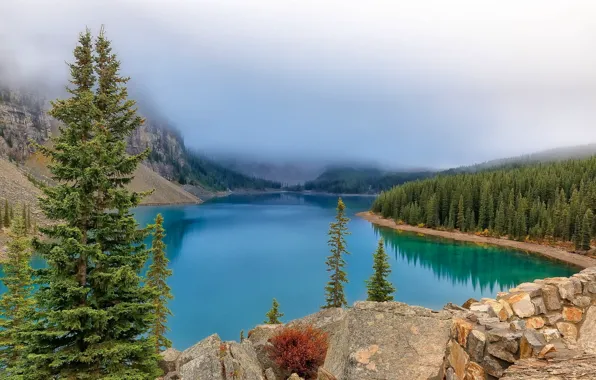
231, 256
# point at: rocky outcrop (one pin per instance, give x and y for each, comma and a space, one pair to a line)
550, 318
388, 340
580, 367
213, 359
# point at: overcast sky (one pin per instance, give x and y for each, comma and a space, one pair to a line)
405, 83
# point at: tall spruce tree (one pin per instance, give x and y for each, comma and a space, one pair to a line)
380, 289
94, 316
334, 291
273, 315
16, 304
461, 218
157, 276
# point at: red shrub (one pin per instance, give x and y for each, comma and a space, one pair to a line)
299, 349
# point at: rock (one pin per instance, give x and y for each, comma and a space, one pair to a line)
494, 367
550, 295
168, 360
499, 309
568, 330
323, 374
565, 286
552, 318
532, 289
592, 288
410, 342
579, 367
213, 359
503, 335
587, 332
546, 350
539, 305
572, 314
457, 358
295, 377
460, 330
582, 301
450, 374
270, 374
476, 344
518, 325
479, 307
521, 304
531, 343
468, 303
551, 334
534, 323
202, 361
577, 285
503, 350
474, 372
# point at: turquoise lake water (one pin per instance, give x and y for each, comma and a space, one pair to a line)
231, 256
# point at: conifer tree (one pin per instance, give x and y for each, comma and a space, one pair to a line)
334, 291
461, 219
16, 304
586, 236
273, 315
93, 315
380, 289
157, 276
6, 213
1, 217
241, 336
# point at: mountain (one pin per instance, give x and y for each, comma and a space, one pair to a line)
351, 180
23, 117
549, 155
288, 173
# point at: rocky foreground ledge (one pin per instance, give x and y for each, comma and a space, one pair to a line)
540, 330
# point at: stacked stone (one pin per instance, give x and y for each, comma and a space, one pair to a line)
533, 320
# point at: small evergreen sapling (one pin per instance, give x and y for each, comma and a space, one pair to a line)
380, 289
273, 315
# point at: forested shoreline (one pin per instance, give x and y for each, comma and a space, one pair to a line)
539, 202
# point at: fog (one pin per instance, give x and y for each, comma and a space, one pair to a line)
401, 83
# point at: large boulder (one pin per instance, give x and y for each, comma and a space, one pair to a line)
389, 340
216, 360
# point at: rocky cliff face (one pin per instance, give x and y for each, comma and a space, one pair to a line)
22, 118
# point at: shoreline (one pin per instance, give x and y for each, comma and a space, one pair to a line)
553, 253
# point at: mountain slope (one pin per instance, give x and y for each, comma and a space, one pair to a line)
23, 118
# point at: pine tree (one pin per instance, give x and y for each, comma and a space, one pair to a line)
93, 316
380, 289
24, 215
334, 290
157, 276
6, 213
461, 219
500, 218
586, 236
273, 315
241, 336
16, 304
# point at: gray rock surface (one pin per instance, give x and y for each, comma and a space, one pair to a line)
580, 367
213, 359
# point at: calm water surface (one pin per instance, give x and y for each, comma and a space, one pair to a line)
231, 256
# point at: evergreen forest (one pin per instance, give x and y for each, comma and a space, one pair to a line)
542, 202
